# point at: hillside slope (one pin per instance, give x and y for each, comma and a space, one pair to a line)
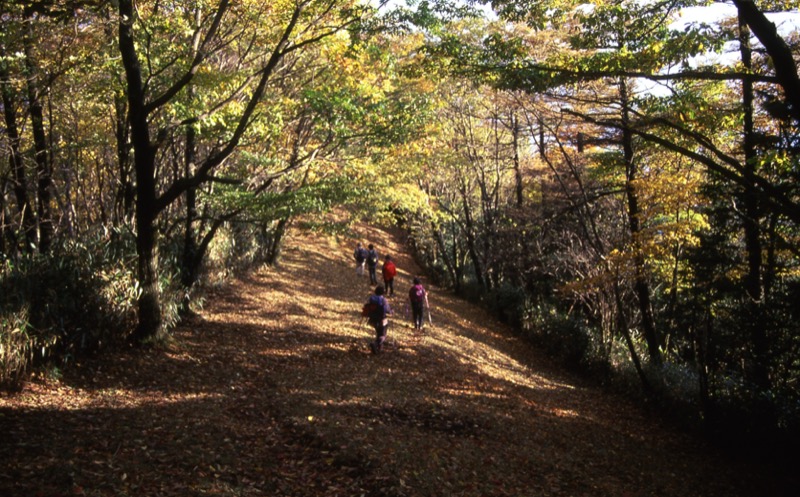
272, 391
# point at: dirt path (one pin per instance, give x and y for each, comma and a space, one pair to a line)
272, 391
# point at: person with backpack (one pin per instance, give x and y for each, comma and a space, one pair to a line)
372, 264
418, 298
377, 312
389, 271
360, 255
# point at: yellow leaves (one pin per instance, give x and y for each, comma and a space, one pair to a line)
670, 218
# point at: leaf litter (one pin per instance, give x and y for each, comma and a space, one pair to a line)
271, 390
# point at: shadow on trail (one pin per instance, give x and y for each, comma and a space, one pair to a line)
432, 419
273, 392
469, 411
196, 420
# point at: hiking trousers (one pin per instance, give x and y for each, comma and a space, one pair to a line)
389, 285
417, 313
380, 331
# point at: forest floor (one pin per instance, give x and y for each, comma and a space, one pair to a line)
271, 391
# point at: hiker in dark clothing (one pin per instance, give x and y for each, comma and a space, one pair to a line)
377, 310
360, 255
418, 298
372, 263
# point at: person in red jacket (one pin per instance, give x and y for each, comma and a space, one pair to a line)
389, 272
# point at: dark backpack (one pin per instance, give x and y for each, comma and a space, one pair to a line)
374, 310
361, 254
372, 258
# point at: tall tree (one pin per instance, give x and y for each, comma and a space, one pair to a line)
783, 60
301, 24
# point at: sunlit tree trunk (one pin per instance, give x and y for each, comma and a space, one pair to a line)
190, 265
126, 195
278, 236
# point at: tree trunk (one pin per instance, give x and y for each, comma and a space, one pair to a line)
754, 321
623, 328
472, 248
6, 236
781, 54
701, 358
770, 269
26, 214
277, 242
449, 263
641, 286
188, 265
126, 194
458, 257
150, 324
515, 132
41, 153
124, 207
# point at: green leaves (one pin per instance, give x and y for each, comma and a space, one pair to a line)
317, 197
537, 14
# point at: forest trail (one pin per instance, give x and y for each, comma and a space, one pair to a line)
271, 391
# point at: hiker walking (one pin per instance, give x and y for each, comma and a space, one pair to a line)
372, 263
360, 255
418, 298
389, 271
377, 311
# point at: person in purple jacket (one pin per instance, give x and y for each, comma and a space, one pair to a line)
418, 298
377, 311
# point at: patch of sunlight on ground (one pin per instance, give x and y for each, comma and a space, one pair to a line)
350, 401
490, 369
472, 392
275, 352
74, 399
498, 365
565, 413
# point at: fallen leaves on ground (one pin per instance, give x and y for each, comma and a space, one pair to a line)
271, 390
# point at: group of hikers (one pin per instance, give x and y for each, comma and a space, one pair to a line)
377, 308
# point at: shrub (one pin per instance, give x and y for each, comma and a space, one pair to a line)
509, 304
56, 307
15, 349
564, 336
